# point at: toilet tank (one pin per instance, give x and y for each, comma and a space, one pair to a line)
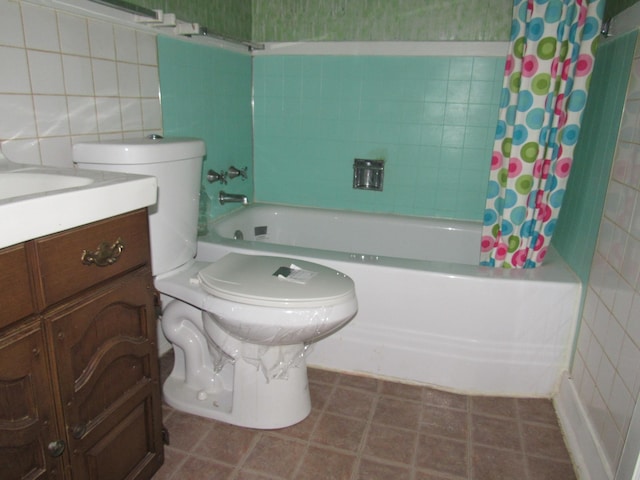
177, 165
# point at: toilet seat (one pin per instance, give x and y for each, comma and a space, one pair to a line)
253, 280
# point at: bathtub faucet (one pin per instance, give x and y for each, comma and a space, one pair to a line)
232, 198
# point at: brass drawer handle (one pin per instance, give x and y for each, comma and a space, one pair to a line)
106, 254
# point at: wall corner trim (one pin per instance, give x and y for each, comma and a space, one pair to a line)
585, 448
625, 22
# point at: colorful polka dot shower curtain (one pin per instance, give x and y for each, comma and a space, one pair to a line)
547, 72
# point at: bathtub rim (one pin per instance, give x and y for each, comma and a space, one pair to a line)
554, 268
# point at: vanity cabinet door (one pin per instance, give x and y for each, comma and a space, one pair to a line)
30, 443
16, 297
105, 356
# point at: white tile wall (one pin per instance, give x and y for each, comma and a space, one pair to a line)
101, 40
606, 369
74, 37
45, 71
10, 30
68, 78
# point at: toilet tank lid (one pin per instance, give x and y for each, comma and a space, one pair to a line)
252, 279
136, 151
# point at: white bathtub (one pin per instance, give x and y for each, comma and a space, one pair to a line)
427, 312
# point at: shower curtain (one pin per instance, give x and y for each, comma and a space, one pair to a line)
547, 72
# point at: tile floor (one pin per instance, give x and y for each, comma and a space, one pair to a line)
362, 428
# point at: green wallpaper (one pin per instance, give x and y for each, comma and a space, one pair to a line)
614, 7
432, 119
229, 18
577, 231
206, 93
346, 20
378, 20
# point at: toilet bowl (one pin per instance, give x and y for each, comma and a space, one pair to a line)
241, 336
240, 327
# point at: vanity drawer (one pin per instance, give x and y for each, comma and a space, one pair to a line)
16, 298
80, 258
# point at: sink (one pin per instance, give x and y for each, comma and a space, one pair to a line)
18, 184
37, 201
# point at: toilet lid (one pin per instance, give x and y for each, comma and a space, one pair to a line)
250, 279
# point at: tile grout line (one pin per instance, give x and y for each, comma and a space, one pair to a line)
470, 471
178, 466
308, 441
525, 460
365, 434
414, 457
240, 463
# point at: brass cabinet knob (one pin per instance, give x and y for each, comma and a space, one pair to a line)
78, 431
56, 448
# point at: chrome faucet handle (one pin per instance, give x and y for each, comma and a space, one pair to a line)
235, 172
213, 176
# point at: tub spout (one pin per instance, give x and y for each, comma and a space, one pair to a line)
232, 198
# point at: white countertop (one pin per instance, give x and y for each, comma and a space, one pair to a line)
51, 203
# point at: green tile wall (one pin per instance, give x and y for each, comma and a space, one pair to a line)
206, 93
432, 119
576, 234
363, 20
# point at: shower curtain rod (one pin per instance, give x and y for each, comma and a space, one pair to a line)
204, 32
156, 18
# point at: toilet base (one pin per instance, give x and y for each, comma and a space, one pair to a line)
253, 402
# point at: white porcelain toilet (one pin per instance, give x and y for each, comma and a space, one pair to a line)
240, 327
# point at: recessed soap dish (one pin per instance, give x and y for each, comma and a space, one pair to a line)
368, 174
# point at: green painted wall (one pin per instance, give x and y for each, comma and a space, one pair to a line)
229, 18
206, 93
432, 119
346, 20
365, 20
297, 20
579, 221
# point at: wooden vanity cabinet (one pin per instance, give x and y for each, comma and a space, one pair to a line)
28, 422
79, 377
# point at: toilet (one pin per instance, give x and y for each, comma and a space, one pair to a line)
240, 327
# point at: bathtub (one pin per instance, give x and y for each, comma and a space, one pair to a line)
427, 312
